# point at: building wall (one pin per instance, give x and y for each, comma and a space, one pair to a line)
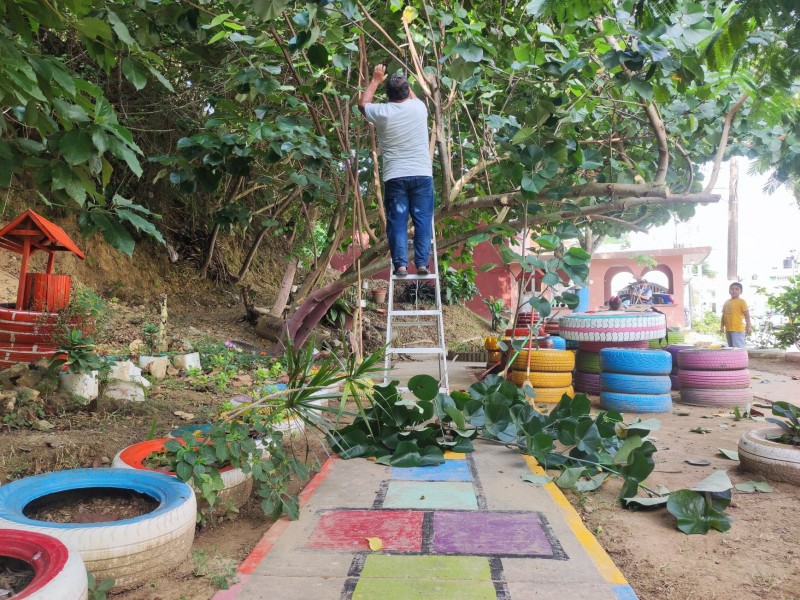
602, 271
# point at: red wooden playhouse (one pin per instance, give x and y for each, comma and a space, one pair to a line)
27, 326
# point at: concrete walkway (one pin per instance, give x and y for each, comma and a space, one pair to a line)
469, 529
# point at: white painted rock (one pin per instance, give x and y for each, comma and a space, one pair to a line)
158, 367
127, 371
84, 385
125, 391
187, 361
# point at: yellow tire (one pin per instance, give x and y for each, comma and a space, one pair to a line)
549, 361
490, 343
542, 380
494, 356
552, 395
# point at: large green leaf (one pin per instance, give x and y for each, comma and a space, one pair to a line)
423, 387
76, 146
269, 9
695, 514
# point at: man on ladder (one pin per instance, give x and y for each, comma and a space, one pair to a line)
402, 128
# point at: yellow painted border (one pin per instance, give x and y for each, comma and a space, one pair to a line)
454, 455
602, 561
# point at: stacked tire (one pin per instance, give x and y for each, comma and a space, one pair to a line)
493, 353
673, 349
714, 377
595, 332
549, 372
635, 380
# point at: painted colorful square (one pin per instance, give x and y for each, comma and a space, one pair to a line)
490, 533
399, 530
455, 568
418, 589
448, 455
430, 495
449, 470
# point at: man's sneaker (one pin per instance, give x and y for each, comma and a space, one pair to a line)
422, 271
400, 272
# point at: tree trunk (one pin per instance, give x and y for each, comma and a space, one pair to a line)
212, 242
286, 288
250, 255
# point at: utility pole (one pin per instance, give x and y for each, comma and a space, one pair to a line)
733, 221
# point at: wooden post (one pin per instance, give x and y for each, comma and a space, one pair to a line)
733, 221
23, 271
51, 261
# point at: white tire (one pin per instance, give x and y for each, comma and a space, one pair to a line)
613, 327
132, 552
778, 462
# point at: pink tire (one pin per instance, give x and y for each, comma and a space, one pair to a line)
597, 346
727, 398
588, 383
715, 380
722, 359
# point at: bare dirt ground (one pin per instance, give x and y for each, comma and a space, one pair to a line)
757, 558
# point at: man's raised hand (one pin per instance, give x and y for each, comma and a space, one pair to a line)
379, 73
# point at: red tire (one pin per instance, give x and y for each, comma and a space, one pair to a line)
597, 346
721, 359
728, 398
58, 573
715, 380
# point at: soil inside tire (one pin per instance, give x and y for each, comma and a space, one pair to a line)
15, 575
90, 505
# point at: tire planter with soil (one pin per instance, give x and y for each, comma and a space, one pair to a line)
131, 551
759, 455
58, 573
236, 484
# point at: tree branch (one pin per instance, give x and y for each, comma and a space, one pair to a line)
723, 141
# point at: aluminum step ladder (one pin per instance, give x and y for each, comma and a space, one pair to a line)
417, 317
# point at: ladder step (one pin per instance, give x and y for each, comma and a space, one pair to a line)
415, 324
414, 350
414, 276
415, 313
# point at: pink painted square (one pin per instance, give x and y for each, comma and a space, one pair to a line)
399, 530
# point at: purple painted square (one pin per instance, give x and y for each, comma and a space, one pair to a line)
490, 534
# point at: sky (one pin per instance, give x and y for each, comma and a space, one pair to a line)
769, 230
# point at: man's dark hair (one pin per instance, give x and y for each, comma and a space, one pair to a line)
397, 88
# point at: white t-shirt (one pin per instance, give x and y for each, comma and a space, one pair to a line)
402, 129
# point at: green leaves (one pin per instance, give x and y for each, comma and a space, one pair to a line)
699, 513
76, 146
134, 72
269, 9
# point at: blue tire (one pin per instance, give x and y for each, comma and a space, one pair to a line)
635, 384
636, 403
636, 362
559, 343
130, 551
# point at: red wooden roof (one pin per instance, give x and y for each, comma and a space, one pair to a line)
43, 235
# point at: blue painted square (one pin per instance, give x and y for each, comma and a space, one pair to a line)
450, 470
431, 495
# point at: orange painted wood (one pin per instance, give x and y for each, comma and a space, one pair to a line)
44, 292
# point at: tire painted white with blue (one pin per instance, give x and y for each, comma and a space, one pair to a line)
627, 383
130, 551
636, 403
639, 362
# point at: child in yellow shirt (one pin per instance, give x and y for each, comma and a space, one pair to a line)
735, 320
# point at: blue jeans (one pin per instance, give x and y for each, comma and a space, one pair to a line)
735, 339
403, 196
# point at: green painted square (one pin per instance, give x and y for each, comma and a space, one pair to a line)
419, 589
431, 495
435, 568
